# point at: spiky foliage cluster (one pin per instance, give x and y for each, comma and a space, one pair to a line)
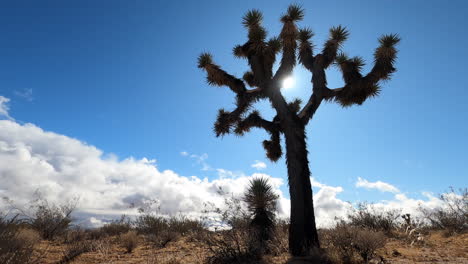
358, 87
260, 197
261, 53
261, 203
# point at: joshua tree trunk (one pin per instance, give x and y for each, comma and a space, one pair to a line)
302, 230
292, 117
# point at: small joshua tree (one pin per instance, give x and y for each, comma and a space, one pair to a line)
261, 203
292, 117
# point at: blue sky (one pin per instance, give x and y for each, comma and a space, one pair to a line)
122, 76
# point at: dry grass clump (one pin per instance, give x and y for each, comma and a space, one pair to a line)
74, 250
129, 241
27, 237
162, 259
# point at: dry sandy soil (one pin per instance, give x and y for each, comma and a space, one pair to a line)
436, 248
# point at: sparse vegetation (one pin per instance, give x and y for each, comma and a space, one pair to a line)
368, 217
231, 244
452, 215
16, 245
118, 227
50, 219
347, 242
361, 239
74, 250
129, 241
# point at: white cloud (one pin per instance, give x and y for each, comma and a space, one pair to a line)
62, 168
379, 185
259, 165
199, 159
4, 108
328, 206
25, 93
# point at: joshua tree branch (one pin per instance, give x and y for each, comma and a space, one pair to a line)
358, 88
306, 54
319, 89
288, 37
273, 146
337, 36
217, 76
255, 120
226, 120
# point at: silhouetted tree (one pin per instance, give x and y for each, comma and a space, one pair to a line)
291, 118
261, 203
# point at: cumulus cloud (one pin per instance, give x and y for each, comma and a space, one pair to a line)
62, 168
4, 108
328, 206
379, 185
259, 165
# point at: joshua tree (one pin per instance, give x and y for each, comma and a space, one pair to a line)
261, 203
291, 118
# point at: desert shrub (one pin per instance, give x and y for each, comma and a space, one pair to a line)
151, 224
163, 238
366, 242
160, 229
452, 216
96, 234
348, 242
366, 216
16, 244
74, 235
117, 227
232, 242
279, 243
229, 246
49, 219
341, 240
182, 225
103, 248
129, 241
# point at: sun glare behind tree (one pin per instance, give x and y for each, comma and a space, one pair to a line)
288, 82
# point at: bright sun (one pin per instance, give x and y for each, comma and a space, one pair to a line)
288, 82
